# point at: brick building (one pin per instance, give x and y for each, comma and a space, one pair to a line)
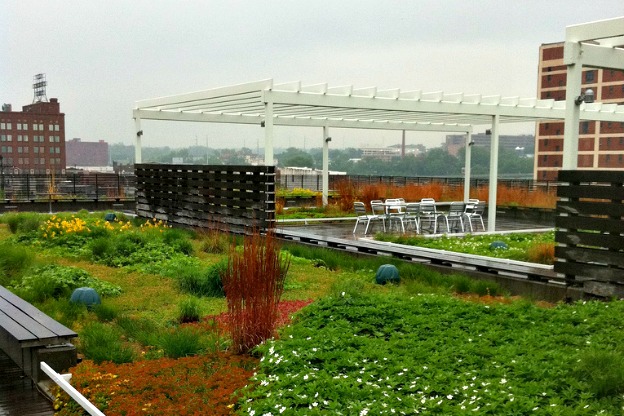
601, 144
87, 154
33, 140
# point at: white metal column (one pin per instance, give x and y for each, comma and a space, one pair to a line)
467, 163
493, 183
268, 133
572, 112
326, 140
137, 140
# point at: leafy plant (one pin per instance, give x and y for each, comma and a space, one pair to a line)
55, 281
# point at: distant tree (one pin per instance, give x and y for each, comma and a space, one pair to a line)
296, 157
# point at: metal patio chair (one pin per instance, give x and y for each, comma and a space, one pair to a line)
475, 213
429, 214
362, 216
455, 217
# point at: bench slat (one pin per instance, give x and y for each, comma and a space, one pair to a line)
14, 329
35, 329
56, 328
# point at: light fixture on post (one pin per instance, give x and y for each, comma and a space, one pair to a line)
585, 97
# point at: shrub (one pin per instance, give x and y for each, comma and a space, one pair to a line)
542, 253
189, 310
483, 288
102, 342
199, 281
14, 261
214, 241
180, 342
603, 371
141, 330
253, 283
63, 311
179, 240
105, 313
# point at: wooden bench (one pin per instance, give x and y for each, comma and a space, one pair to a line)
29, 336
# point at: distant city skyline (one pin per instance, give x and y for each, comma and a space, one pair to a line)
100, 58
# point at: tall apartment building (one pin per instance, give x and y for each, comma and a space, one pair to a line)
33, 140
601, 144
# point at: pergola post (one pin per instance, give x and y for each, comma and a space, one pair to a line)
572, 115
493, 174
137, 140
268, 133
326, 140
467, 163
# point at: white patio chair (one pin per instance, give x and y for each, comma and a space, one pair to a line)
412, 212
475, 213
378, 208
429, 214
455, 216
363, 216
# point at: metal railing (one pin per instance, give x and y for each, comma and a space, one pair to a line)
315, 182
94, 186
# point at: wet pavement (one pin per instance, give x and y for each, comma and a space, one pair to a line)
343, 228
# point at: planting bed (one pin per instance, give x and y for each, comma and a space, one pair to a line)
354, 347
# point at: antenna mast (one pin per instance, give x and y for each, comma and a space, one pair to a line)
39, 85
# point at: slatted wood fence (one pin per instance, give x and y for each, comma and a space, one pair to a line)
590, 230
232, 198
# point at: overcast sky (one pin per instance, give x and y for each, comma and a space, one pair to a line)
102, 56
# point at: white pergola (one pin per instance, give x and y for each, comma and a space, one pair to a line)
268, 104
597, 44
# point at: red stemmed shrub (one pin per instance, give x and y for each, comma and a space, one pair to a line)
253, 283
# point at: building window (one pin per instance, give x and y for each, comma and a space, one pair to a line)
57, 150
51, 150
9, 149
41, 149
25, 137
21, 161
589, 76
2, 126
51, 139
51, 127
35, 127
585, 127
9, 138
9, 126
41, 161
36, 149
56, 127
40, 126
19, 149
19, 126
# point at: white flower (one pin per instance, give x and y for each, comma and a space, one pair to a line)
450, 397
305, 377
364, 412
503, 381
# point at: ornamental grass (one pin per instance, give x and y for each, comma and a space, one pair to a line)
253, 284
